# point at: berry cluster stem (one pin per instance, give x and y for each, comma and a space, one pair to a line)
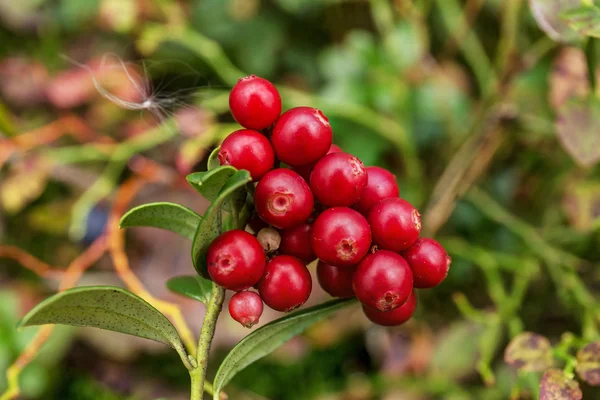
213, 309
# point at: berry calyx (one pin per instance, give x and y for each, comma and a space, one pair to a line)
397, 316
395, 224
301, 136
235, 260
381, 184
254, 103
283, 199
429, 262
341, 236
286, 283
246, 308
249, 150
336, 281
338, 179
383, 281
296, 242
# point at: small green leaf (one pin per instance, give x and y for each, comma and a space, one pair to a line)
588, 363
585, 20
213, 159
210, 226
269, 337
169, 216
555, 385
105, 307
194, 287
209, 183
529, 352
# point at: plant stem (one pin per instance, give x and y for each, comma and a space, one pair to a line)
590, 57
198, 375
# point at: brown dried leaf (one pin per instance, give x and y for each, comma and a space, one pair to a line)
588, 363
547, 15
556, 386
578, 128
529, 352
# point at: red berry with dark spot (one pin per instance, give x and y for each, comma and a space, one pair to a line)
286, 284
397, 316
301, 136
246, 308
283, 199
305, 170
338, 179
381, 184
383, 281
429, 263
341, 236
395, 223
335, 280
255, 103
296, 242
235, 260
249, 150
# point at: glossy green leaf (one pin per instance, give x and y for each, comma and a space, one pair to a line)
210, 227
266, 339
213, 159
169, 216
209, 183
105, 307
194, 287
585, 20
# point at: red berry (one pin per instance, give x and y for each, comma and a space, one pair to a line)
383, 281
395, 317
296, 242
305, 170
254, 102
283, 199
334, 148
249, 150
235, 260
338, 179
341, 236
246, 308
381, 184
301, 136
429, 263
395, 223
335, 280
286, 284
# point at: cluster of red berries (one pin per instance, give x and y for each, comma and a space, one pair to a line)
326, 205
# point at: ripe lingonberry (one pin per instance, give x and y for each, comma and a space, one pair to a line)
341, 236
301, 136
335, 280
395, 223
395, 317
246, 308
254, 102
235, 260
305, 170
249, 150
383, 280
283, 199
296, 242
338, 179
429, 262
286, 284
381, 184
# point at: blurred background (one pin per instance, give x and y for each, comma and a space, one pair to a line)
486, 111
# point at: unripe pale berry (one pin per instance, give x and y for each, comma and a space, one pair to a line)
254, 103
246, 308
296, 242
395, 224
301, 136
383, 281
397, 316
235, 260
381, 184
286, 284
269, 239
249, 150
338, 179
341, 236
283, 199
336, 281
429, 262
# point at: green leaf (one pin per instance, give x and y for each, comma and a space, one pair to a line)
194, 287
169, 216
213, 159
269, 337
105, 307
585, 20
547, 15
210, 226
209, 183
529, 352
